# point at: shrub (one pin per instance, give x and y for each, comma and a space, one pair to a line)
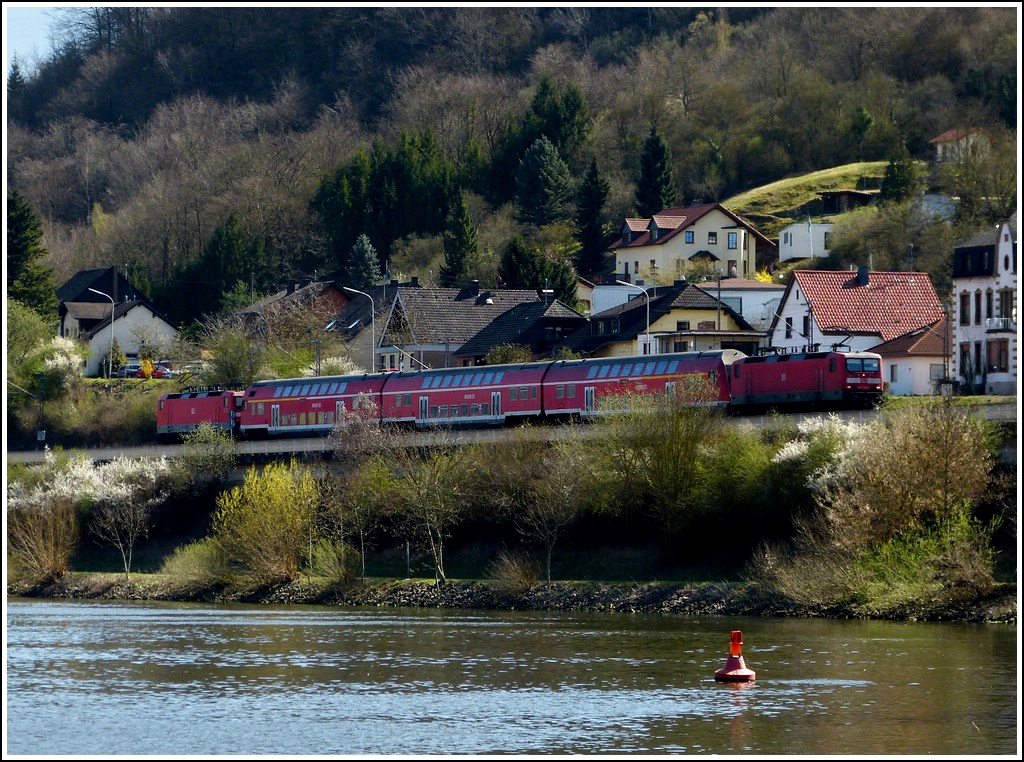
514, 572
338, 562
200, 561
41, 538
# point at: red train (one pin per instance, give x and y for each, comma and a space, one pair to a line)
500, 394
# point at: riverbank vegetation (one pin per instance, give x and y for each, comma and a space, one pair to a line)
909, 513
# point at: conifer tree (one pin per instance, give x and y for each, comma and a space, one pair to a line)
28, 281
521, 266
656, 187
460, 246
364, 267
589, 226
542, 185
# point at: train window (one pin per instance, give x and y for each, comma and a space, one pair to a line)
649, 369
342, 386
570, 391
444, 411
661, 367
559, 392
853, 364
447, 381
513, 393
464, 410
498, 376
614, 372
278, 390
407, 399
332, 388
832, 365
477, 378
475, 409
603, 371
673, 366
433, 411
485, 409
488, 378
872, 365
592, 373
524, 392
713, 377
329, 418
305, 390
259, 408
425, 383
533, 392
161, 404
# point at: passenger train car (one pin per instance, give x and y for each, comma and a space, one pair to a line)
502, 394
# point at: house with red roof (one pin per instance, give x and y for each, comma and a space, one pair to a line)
852, 311
682, 241
917, 362
953, 145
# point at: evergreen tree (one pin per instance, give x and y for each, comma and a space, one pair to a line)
542, 185
899, 181
15, 88
561, 278
521, 266
590, 202
656, 188
364, 267
28, 281
460, 246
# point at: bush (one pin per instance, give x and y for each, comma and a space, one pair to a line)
200, 561
514, 572
338, 562
41, 538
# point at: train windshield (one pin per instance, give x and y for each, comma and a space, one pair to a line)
864, 364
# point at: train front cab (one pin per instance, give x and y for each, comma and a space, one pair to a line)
825, 379
183, 412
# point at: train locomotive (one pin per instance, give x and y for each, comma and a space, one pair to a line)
495, 395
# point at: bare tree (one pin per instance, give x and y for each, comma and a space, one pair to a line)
122, 522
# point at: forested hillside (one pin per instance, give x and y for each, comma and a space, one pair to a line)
215, 153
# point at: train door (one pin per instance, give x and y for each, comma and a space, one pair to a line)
819, 381
588, 399
496, 404
339, 411
423, 409
275, 416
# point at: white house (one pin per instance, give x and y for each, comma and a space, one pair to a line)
916, 363
851, 311
985, 310
955, 144
101, 306
804, 240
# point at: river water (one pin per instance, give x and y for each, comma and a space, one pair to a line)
90, 678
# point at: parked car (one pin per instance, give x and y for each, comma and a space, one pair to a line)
129, 370
159, 371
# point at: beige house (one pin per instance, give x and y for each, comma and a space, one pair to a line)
687, 240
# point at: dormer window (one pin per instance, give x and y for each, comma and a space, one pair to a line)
654, 231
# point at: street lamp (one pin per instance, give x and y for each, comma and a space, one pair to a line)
647, 298
110, 360
373, 347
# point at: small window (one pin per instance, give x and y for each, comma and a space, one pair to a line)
259, 408
688, 236
892, 372
733, 240
570, 391
524, 392
406, 399
513, 393
475, 410
682, 325
464, 410
433, 411
444, 411
559, 392
712, 237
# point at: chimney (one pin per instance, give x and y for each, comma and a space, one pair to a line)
394, 282
415, 281
474, 287
862, 276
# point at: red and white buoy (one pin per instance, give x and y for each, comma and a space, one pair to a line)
735, 670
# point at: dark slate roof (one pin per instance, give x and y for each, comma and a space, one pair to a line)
106, 279
990, 237
514, 324
450, 315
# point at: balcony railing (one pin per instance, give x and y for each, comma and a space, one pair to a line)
1000, 324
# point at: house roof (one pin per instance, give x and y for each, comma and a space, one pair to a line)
990, 237
120, 309
889, 304
448, 315
514, 324
958, 133
675, 220
106, 279
927, 341
303, 294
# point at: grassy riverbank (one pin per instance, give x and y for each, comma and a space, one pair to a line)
719, 598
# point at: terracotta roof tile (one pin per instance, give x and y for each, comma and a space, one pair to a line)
926, 341
891, 304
